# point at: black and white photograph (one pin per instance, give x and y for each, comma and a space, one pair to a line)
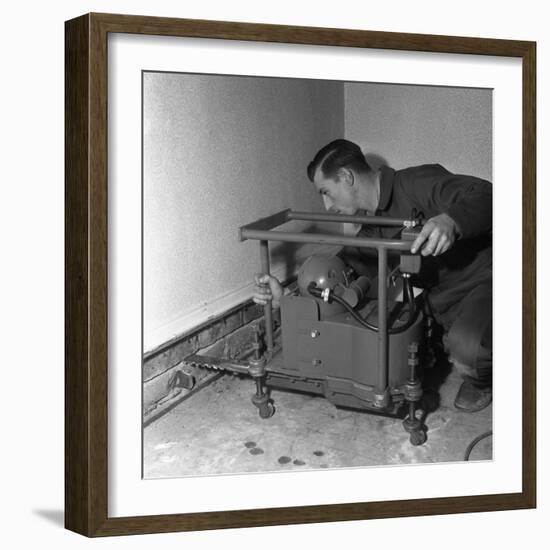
316, 274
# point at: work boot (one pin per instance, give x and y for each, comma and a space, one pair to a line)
471, 398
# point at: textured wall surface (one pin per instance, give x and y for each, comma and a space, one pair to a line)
220, 152
411, 125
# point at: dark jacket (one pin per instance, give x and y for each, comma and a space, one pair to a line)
430, 189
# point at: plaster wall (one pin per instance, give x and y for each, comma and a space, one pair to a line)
220, 152
404, 126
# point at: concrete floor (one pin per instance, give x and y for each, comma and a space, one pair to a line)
218, 431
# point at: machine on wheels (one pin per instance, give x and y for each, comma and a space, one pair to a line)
342, 335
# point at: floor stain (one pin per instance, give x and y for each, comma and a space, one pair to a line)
284, 459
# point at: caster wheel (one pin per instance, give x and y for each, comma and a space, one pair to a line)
418, 437
267, 411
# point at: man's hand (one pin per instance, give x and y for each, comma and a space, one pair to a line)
267, 288
437, 236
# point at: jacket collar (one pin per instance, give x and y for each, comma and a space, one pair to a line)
387, 177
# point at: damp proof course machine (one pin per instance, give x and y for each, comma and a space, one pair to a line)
342, 335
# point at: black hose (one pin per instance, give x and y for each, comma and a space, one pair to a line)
407, 291
354, 314
475, 442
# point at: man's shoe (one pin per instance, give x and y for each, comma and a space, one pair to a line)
472, 399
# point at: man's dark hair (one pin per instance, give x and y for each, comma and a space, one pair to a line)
339, 153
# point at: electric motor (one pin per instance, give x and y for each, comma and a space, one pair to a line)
325, 270
330, 272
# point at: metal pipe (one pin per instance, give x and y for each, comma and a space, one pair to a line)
266, 223
382, 321
259, 389
321, 238
412, 415
346, 218
264, 258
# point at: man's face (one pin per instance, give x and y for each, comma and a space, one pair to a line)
339, 193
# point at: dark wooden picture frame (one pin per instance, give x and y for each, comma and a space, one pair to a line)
86, 294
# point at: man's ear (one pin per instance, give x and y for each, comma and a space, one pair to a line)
345, 175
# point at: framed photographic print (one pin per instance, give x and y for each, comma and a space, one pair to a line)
291, 256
